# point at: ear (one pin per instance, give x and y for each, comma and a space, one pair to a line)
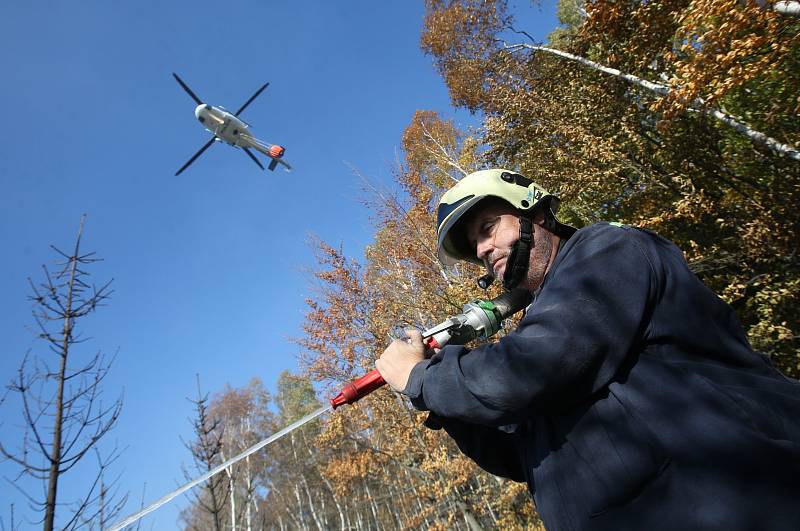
538, 218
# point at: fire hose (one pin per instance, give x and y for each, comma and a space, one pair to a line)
480, 319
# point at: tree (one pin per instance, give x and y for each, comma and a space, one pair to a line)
385, 468
62, 407
619, 151
613, 151
207, 510
244, 419
297, 492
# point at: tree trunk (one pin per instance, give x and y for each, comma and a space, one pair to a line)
55, 455
472, 522
328, 486
231, 490
249, 500
372, 506
311, 506
302, 515
286, 505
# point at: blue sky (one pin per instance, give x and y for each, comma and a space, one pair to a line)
210, 267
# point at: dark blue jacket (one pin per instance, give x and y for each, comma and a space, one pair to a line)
628, 398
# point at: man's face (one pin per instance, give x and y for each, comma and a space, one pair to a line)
493, 229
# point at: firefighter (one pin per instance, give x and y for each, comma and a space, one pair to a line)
627, 398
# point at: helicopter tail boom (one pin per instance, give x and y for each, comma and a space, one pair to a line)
273, 151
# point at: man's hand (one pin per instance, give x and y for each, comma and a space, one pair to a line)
399, 358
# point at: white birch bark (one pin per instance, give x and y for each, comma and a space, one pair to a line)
470, 519
347, 514
286, 504
328, 486
756, 136
303, 519
232, 490
249, 501
359, 521
311, 506
787, 8
372, 505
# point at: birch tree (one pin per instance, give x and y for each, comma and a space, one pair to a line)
616, 120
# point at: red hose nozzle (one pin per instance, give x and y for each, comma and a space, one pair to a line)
358, 389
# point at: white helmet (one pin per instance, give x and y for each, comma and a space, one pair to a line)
519, 191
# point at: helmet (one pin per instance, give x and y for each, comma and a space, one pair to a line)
519, 191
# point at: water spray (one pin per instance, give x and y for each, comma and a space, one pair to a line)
219, 468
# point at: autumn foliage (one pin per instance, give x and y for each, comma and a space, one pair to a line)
617, 152
613, 151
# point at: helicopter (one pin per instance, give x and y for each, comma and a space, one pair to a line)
227, 127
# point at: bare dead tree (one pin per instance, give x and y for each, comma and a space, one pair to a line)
206, 450
62, 402
14, 526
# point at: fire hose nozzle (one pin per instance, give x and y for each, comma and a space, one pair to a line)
358, 389
481, 319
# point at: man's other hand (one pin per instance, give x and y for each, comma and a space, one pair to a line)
399, 358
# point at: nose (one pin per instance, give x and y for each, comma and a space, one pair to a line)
200, 112
483, 248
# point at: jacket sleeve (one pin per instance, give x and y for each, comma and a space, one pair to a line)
492, 449
589, 315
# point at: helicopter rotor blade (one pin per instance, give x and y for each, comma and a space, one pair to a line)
187, 89
253, 157
200, 152
248, 102
275, 162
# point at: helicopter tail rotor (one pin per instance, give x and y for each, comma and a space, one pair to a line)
250, 154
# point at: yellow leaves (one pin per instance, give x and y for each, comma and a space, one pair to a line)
725, 46
460, 26
594, 141
380, 440
461, 35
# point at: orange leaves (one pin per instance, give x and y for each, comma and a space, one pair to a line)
380, 444
615, 152
343, 472
726, 45
466, 78
461, 37
452, 28
629, 34
428, 142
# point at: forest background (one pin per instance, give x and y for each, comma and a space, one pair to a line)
655, 156
678, 116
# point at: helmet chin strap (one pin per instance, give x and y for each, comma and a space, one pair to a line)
519, 259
